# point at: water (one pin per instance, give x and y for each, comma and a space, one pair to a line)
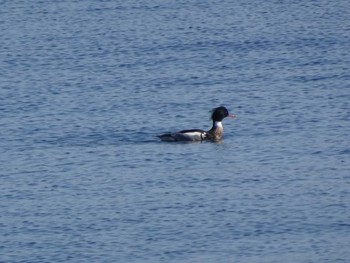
87, 85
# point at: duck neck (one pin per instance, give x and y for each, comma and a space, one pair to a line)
215, 133
217, 125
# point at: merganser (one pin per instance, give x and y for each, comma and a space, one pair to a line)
214, 134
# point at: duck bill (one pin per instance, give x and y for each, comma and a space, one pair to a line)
232, 116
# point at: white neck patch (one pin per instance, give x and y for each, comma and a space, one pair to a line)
218, 124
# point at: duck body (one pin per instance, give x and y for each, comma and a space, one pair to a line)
196, 135
184, 136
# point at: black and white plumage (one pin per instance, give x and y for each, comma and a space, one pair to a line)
214, 134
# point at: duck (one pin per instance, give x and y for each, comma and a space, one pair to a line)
198, 135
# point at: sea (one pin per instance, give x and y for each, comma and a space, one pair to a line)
87, 85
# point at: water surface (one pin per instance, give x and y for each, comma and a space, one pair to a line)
87, 85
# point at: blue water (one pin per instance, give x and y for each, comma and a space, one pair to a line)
85, 87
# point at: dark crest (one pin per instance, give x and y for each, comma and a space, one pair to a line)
218, 114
